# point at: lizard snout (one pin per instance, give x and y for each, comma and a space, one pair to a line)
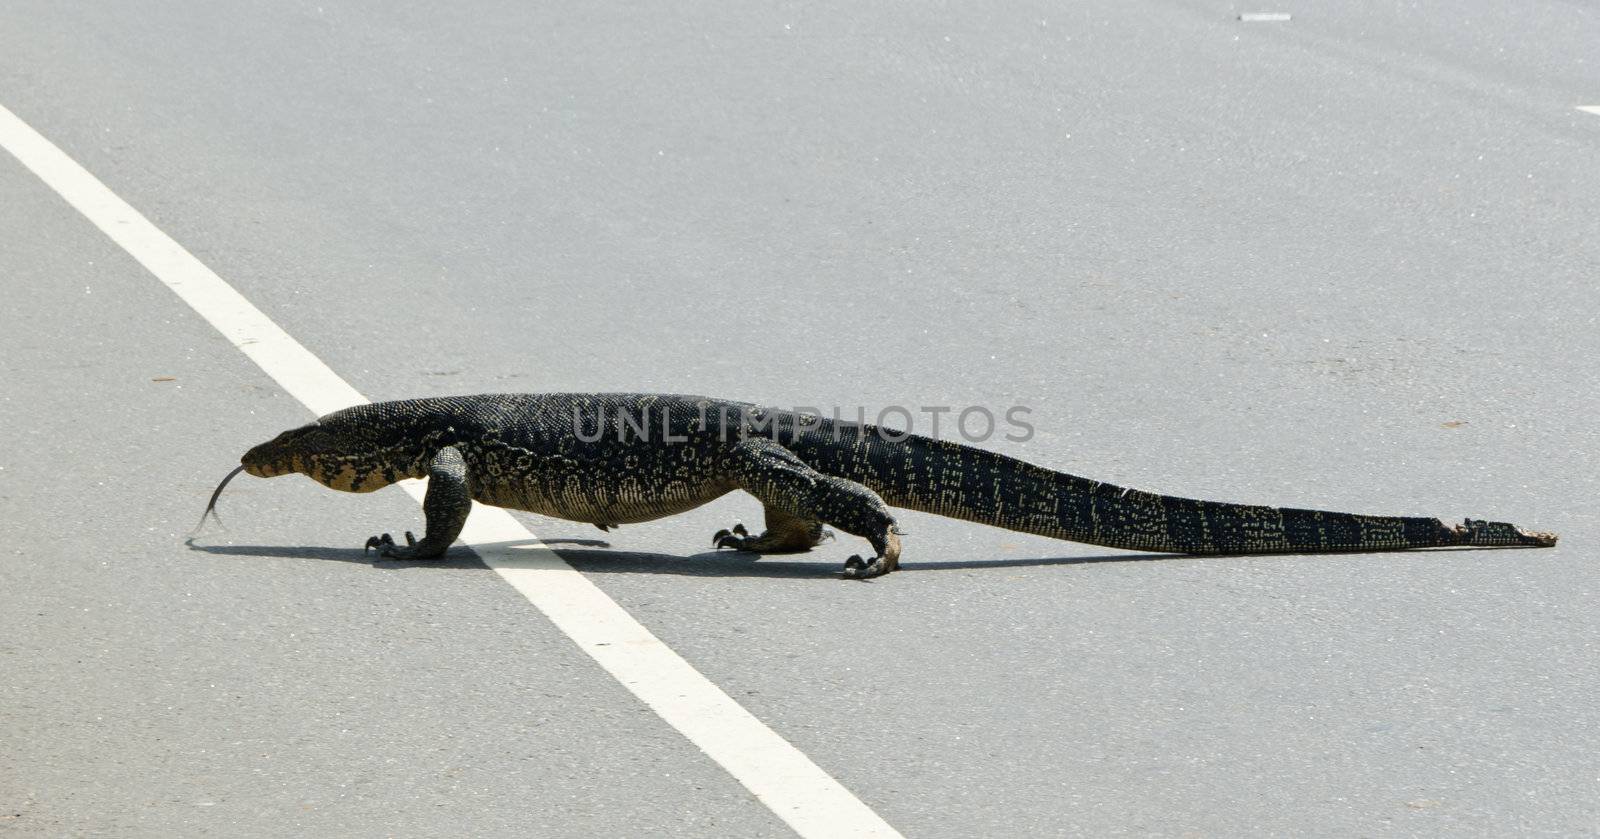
288, 453
262, 462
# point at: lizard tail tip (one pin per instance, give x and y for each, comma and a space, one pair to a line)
1481, 533
1540, 538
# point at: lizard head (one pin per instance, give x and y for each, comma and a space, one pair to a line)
358, 449
309, 449
346, 450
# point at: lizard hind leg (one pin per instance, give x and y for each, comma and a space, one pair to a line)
785, 533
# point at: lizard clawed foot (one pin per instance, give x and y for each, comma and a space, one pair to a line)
387, 548
856, 568
888, 559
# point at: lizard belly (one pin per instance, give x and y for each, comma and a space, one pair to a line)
594, 494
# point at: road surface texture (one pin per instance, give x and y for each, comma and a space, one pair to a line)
1348, 260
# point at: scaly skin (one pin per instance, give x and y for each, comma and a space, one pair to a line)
612, 459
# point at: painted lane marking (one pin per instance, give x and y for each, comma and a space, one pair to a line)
1590, 109
1264, 17
797, 790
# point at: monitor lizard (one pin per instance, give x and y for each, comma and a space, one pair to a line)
611, 459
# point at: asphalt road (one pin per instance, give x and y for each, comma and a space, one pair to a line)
1348, 261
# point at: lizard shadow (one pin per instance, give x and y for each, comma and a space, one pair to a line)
596, 558
788, 566
734, 564
591, 556
456, 558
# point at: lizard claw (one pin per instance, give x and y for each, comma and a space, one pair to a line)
887, 559
382, 543
726, 538
856, 568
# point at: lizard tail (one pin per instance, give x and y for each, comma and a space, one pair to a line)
948, 479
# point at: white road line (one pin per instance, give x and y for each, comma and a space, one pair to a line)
781, 776
1591, 109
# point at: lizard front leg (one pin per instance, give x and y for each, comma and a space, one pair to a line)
444, 510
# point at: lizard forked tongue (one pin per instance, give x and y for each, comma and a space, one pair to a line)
211, 507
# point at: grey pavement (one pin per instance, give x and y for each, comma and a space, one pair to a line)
1347, 261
